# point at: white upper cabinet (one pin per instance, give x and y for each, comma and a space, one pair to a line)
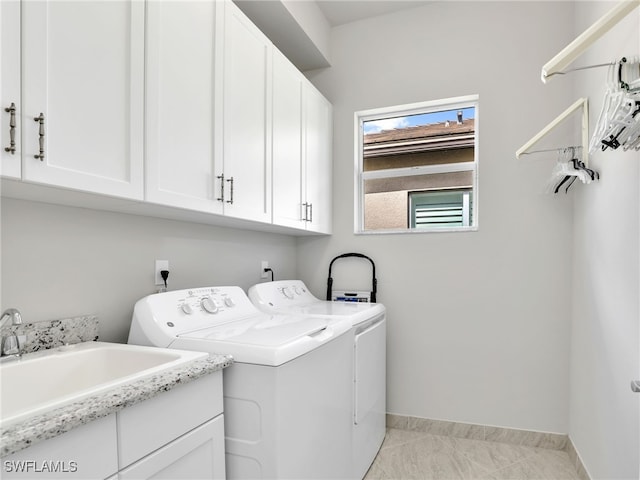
246, 124
83, 80
10, 105
318, 161
180, 103
208, 110
288, 136
302, 126
180, 120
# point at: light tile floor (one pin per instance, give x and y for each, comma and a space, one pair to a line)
408, 455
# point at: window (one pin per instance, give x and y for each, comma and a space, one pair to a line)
440, 209
417, 167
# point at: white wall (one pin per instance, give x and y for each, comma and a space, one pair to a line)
604, 413
62, 261
478, 322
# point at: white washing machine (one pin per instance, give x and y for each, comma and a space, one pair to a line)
286, 396
368, 372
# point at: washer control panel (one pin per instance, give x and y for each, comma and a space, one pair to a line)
182, 311
207, 300
281, 293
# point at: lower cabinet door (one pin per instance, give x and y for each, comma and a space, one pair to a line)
197, 454
86, 452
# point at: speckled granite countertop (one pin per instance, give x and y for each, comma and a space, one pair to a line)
22, 434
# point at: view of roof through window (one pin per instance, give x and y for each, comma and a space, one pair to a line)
403, 137
430, 160
420, 119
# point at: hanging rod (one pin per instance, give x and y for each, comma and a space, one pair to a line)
582, 103
546, 150
586, 67
587, 38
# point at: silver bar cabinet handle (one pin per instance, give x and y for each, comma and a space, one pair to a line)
635, 386
308, 212
11, 110
230, 180
40, 120
221, 197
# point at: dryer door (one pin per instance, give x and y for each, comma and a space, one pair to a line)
370, 369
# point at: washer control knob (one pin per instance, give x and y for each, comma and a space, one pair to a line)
287, 293
228, 301
209, 305
186, 308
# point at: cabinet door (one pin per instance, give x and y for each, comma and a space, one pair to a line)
318, 164
197, 454
181, 409
86, 452
247, 121
83, 70
10, 88
180, 105
287, 143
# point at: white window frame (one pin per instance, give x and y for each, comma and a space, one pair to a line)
360, 117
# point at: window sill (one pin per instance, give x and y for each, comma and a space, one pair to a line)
416, 231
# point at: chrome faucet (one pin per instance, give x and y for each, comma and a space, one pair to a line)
11, 343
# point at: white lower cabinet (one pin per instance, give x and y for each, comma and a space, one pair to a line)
197, 454
178, 434
87, 452
150, 425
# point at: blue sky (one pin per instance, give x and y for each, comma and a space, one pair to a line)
375, 126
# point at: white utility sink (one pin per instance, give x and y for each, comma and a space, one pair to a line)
46, 380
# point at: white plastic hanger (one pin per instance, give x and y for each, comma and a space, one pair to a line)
564, 173
618, 124
612, 96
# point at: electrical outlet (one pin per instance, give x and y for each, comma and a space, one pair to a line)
264, 264
160, 265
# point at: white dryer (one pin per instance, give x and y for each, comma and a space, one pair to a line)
368, 366
287, 394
